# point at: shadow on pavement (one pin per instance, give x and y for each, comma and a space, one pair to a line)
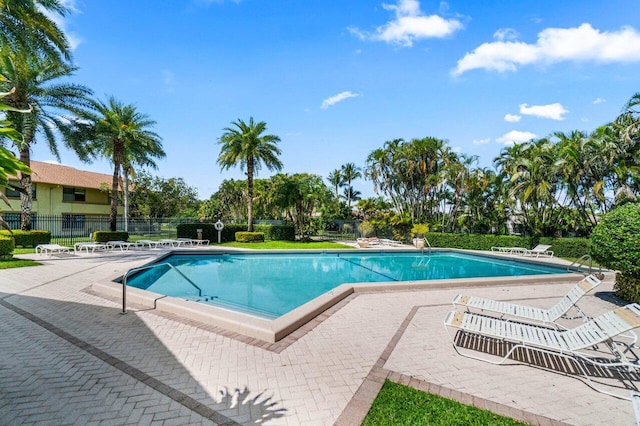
74, 363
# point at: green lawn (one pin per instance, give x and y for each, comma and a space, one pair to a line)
277, 245
17, 263
401, 405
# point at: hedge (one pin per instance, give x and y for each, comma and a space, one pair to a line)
616, 245
28, 238
104, 236
6, 246
271, 232
249, 237
562, 247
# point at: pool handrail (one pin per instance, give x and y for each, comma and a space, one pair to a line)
142, 268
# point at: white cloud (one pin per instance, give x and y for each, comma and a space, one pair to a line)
481, 141
506, 34
338, 98
597, 101
579, 44
410, 24
553, 111
73, 39
515, 136
512, 118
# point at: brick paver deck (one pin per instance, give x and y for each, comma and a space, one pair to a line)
68, 357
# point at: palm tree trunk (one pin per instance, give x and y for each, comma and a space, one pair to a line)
26, 201
250, 194
113, 215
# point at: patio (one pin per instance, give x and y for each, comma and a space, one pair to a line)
68, 357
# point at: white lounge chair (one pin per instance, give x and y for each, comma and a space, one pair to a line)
49, 249
509, 250
79, 247
194, 242
122, 245
575, 344
512, 310
539, 250
147, 243
168, 242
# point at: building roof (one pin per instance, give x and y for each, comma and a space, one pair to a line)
57, 174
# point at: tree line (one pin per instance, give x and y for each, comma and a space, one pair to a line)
554, 185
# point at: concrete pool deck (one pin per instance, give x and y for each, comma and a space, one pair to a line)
68, 357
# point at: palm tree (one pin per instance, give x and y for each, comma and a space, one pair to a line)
336, 180
34, 79
349, 173
25, 27
122, 134
245, 144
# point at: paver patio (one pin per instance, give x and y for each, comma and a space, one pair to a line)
68, 357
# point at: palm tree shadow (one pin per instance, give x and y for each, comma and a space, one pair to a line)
80, 356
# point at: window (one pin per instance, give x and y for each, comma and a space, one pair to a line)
10, 193
73, 221
73, 194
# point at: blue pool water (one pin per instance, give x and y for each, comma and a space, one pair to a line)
270, 285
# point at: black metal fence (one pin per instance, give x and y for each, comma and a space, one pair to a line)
69, 229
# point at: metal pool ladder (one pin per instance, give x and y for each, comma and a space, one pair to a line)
577, 265
142, 268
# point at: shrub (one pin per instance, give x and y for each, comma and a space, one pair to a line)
6, 246
28, 238
615, 244
562, 247
104, 236
271, 232
277, 232
568, 247
249, 237
366, 229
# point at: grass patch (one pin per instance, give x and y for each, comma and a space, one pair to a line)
287, 245
23, 250
17, 263
401, 405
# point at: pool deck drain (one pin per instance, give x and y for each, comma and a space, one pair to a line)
68, 357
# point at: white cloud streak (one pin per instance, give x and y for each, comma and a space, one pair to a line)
410, 24
597, 101
73, 39
515, 136
554, 45
552, 111
332, 100
512, 118
481, 141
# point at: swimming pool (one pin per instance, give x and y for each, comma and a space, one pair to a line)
273, 284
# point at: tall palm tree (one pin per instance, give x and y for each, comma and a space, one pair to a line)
247, 145
336, 180
122, 134
34, 78
24, 26
349, 173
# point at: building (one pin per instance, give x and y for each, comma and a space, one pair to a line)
73, 196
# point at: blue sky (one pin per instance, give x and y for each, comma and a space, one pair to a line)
336, 79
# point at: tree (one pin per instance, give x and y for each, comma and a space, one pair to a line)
349, 172
9, 164
245, 144
300, 195
24, 26
157, 197
120, 133
336, 180
34, 78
